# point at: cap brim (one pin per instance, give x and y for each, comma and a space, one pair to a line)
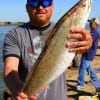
90, 21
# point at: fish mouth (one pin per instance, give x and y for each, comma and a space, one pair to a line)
89, 3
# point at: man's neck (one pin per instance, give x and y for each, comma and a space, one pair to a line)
39, 25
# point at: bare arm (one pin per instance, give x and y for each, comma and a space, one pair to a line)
12, 79
11, 74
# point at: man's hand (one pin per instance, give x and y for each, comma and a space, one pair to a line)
83, 37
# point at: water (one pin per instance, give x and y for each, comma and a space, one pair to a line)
3, 31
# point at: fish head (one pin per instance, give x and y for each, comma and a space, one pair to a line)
79, 13
86, 5
84, 11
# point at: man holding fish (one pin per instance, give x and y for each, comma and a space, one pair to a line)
23, 45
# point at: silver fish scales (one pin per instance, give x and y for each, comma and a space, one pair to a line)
55, 58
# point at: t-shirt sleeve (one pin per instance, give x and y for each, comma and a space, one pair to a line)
10, 46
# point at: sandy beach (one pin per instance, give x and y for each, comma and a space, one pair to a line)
71, 75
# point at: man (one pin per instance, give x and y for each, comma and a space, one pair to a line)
89, 55
22, 47
96, 24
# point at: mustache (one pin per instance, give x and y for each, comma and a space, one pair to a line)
39, 11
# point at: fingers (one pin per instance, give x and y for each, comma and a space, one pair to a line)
79, 49
83, 37
21, 96
77, 44
79, 33
80, 30
77, 36
33, 98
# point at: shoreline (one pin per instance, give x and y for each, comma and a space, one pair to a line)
10, 23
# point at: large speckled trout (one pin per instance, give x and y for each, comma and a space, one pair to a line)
55, 58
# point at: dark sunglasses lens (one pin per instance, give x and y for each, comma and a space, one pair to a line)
46, 3
34, 3
37, 3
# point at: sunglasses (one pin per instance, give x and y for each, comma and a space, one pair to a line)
37, 3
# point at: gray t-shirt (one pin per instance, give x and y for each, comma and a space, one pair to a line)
26, 43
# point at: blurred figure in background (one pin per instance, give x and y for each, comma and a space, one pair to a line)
89, 55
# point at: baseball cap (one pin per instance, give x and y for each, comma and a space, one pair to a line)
94, 20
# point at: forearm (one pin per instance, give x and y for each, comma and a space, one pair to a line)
13, 82
11, 76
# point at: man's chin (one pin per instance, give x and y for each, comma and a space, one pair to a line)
41, 20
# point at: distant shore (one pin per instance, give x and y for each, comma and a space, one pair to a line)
10, 23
